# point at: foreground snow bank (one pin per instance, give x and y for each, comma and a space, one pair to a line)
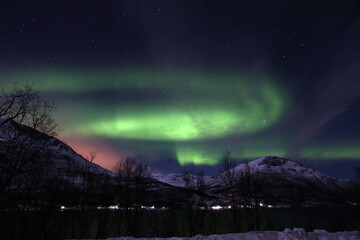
297, 233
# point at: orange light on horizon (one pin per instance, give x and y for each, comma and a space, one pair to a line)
105, 155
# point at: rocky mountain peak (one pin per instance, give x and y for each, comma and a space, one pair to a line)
274, 161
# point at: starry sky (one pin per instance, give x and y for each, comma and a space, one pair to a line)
175, 83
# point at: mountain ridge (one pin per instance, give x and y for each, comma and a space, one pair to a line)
279, 176
282, 179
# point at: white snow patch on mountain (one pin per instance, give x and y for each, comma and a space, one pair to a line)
175, 179
267, 166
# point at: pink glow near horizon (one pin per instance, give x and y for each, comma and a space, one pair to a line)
105, 155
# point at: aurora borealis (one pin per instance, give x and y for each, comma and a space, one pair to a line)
189, 106
200, 110
175, 84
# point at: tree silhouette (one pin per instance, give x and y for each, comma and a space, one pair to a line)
26, 128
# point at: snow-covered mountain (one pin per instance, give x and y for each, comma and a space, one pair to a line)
268, 165
63, 156
289, 170
176, 179
282, 180
55, 158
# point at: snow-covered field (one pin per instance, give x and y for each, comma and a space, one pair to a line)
295, 234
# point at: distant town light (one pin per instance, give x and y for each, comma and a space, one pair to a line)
229, 206
62, 208
114, 207
216, 207
261, 205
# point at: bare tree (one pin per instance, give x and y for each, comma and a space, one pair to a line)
26, 128
228, 176
133, 180
200, 187
250, 190
141, 184
118, 169
189, 180
195, 188
124, 170
200, 203
24, 106
89, 181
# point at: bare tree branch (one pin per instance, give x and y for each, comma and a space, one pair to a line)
26, 125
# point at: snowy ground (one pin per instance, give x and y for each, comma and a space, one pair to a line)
295, 234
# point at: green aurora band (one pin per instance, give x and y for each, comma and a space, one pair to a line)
196, 154
205, 110
190, 110
189, 105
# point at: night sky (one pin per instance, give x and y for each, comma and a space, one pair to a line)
175, 83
